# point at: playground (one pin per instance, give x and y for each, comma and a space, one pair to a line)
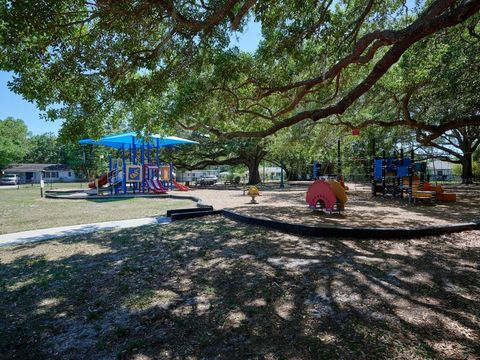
138, 169
287, 205
209, 286
361, 209
398, 197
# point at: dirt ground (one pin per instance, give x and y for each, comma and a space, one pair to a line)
215, 289
362, 210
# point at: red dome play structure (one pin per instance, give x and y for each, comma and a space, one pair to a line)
326, 195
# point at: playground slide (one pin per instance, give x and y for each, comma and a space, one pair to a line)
156, 186
338, 190
179, 186
102, 180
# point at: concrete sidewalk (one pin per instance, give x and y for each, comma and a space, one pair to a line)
58, 232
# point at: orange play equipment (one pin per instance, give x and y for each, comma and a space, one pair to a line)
440, 192
428, 191
327, 195
341, 180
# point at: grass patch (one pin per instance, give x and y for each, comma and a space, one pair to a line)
24, 209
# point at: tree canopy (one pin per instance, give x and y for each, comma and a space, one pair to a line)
13, 141
163, 63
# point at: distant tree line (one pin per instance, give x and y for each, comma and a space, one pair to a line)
18, 145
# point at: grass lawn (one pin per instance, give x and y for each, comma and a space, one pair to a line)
24, 209
214, 289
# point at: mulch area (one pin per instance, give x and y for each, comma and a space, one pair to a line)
362, 210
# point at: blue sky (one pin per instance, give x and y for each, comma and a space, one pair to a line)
14, 105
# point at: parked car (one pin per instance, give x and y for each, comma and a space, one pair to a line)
207, 180
9, 179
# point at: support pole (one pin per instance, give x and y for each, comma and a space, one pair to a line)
282, 185
372, 170
157, 155
142, 161
400, 180
339, 160
109, 177
115, 173
410, 177
171, 175
124, 170
384, 168
134, 160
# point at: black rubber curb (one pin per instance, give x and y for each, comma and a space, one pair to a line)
356, 233
180, 211
194, 214
62, 195
296, 229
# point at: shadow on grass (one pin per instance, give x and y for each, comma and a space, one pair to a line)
212, 288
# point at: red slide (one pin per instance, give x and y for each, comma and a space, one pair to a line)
156, 186
180, 186
102, 180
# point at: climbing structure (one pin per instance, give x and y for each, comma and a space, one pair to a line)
327, 195
394, 176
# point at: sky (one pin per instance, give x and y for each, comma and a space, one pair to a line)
15, 106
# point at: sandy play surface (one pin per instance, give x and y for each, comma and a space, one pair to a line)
361, 210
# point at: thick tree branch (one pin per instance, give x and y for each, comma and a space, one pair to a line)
183, 23
421, 28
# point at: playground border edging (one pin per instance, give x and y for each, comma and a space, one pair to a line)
60, 195
300, 229
358, 233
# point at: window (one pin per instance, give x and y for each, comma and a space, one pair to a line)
69, 174
51, 174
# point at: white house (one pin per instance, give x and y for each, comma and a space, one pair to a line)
270, 172
32, 173
440, 170
192, 175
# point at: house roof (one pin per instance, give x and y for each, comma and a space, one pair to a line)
18, 168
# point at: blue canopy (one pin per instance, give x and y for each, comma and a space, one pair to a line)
126, 140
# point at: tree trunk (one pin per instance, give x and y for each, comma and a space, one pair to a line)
467, 169
253, 172
289, 175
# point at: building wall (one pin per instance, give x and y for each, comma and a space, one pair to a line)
195, 174
67, 176
63, 175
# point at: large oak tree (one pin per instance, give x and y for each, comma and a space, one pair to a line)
433, 91
160, 63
